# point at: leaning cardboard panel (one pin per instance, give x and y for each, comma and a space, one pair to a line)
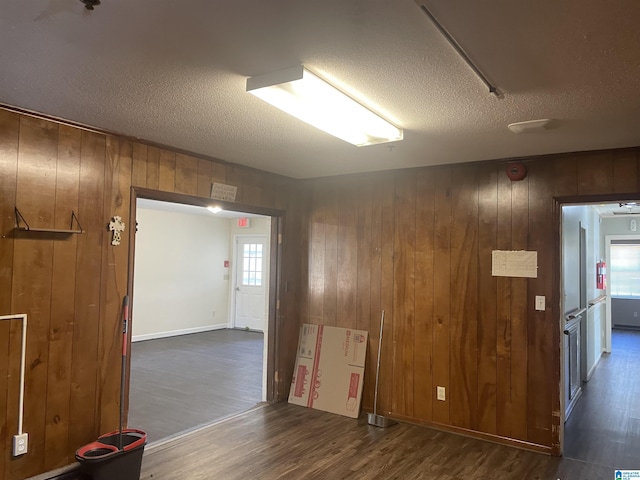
329, 371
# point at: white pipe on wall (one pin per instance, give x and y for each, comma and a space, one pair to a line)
23, 317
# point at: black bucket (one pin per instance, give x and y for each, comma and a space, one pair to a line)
104, 460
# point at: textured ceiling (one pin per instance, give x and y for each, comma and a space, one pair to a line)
174, 73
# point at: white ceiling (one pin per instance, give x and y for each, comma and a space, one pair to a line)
174, 72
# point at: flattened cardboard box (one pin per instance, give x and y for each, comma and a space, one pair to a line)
329, 370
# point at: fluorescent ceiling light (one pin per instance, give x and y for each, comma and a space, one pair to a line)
214, 209
305, 96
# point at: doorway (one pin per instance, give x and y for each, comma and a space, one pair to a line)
250, 281
600, 425
188, 365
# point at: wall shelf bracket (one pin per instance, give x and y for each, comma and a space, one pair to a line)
23, 225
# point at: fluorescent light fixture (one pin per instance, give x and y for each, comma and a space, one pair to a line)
214, 209
307, 97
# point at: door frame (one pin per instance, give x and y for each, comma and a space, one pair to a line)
557, 400
234, 275
275, 275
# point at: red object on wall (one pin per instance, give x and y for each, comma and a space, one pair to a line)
601, 275
243, 222
226, 263
516, 171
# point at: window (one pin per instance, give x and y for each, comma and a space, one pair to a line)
252, 265
625, 270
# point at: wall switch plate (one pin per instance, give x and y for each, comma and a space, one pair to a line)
441, 394
540, 303
20, 444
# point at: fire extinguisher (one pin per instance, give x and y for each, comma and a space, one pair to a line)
601, 275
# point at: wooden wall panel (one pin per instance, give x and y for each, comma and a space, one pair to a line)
62, 301
487, 299
32, 272
625, 171
347, 260
113, 282
504, 374
84, 371
452, 323
441, 292
541, 325
424, 286
72, 286
153, 168
330, 279
404, 253
9, 132
387, 214
139, 167
463, 329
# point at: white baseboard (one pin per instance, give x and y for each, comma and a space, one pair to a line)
175, 333
593, 369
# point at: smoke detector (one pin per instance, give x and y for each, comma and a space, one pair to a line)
530, 126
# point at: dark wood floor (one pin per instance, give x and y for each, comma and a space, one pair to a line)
605, 425
179, 383
283, 441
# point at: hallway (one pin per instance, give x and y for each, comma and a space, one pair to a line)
604, 427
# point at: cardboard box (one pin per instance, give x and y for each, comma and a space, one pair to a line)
329, 370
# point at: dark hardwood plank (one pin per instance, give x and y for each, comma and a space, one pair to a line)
168, 395
287, 441
604, 427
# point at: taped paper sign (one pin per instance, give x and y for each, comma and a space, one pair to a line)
506, 263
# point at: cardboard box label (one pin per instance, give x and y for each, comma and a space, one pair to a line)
329, 369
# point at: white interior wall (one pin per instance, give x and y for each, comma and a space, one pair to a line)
180, 284
572, 218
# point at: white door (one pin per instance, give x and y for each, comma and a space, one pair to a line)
250, 278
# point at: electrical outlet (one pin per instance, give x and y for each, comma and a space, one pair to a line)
540, 303
20, 444
441, 394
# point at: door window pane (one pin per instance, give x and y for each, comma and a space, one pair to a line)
252, 264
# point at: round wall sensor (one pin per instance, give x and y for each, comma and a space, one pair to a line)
516, 171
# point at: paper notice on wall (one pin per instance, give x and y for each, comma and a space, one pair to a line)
221, 191
506, 263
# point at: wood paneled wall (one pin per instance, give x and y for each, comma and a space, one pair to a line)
417, 244
71, 286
